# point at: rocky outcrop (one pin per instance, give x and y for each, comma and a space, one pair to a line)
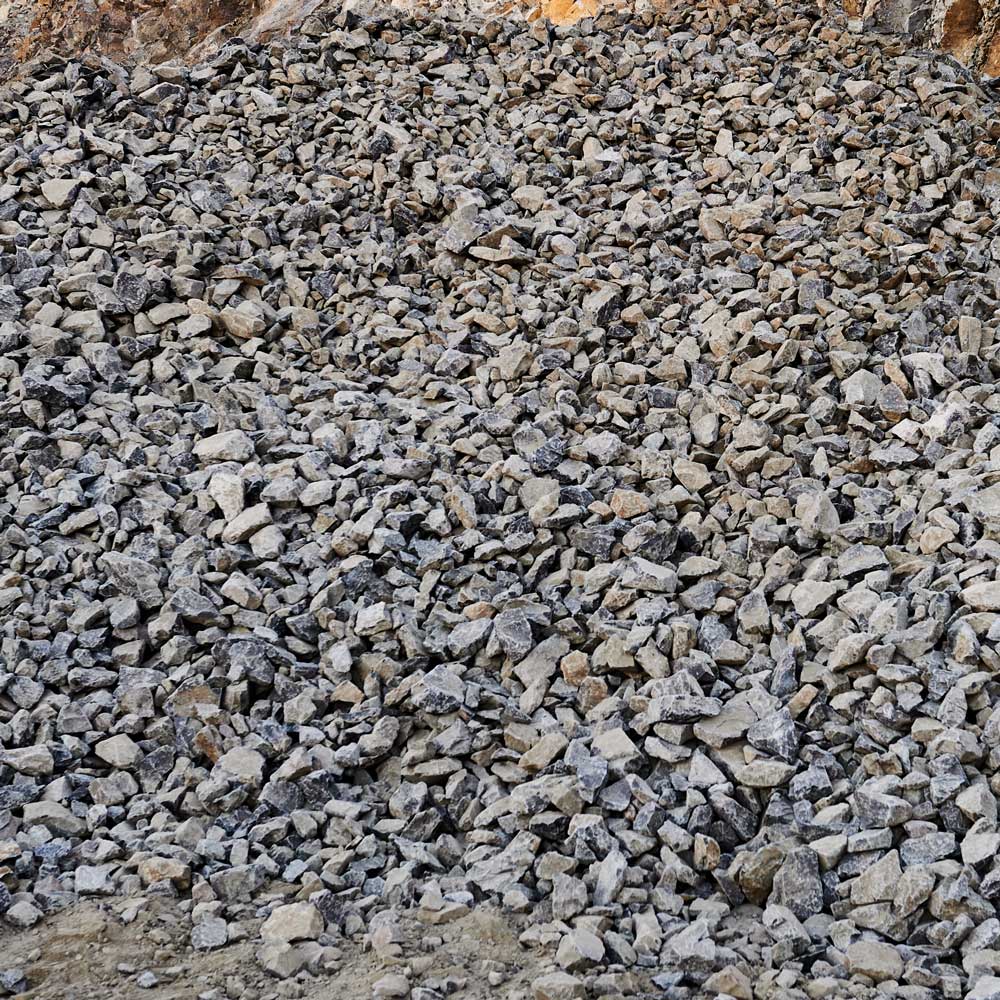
967, 29
153, 31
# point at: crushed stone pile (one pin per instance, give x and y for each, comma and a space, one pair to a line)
450, 462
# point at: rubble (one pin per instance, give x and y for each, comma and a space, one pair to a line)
451, 463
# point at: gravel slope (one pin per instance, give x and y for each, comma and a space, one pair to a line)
448, 462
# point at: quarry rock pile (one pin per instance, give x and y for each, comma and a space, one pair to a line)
448, 462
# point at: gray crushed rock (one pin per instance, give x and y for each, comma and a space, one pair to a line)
446, 462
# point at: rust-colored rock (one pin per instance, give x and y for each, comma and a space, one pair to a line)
967, 29
144, 30
961, 28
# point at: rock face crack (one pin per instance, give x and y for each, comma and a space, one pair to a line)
450, 462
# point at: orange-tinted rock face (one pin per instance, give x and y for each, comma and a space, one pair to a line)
961, 28
568, 11
992, 64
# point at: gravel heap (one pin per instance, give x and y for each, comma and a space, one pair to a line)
446, 462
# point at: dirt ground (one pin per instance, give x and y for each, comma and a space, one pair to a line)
87, 951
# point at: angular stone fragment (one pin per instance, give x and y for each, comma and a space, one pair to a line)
209, 934
983, 596
60, 193
878, 882
543, 752
557, 986
23, 915
292, 922
765, 773
985, 988
569, 897
281, 959
119, 751
228, 446
247, 523
13, 981
875, 960
133, 577
797, 884
32, 761
507, 866
811, 595
55, 817
579, 949
775, 734
156, 869
610, 878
